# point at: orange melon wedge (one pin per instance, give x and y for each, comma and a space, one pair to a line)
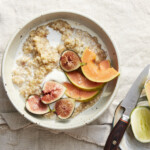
101, 72
80, 81
147, 90
78, 94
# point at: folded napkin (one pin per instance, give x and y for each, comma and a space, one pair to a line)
96, 132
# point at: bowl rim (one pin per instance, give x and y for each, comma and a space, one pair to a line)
80, 14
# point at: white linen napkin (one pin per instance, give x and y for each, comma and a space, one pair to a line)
126, 21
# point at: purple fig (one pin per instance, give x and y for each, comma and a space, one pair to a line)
70, 61
35, 106
64, 108
52, 91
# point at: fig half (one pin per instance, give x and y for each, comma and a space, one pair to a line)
52, 91
35, 106
64, 108
70, 61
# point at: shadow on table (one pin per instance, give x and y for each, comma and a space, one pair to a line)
5, 104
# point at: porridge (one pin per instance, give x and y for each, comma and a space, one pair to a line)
40, 57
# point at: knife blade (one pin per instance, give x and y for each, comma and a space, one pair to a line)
128, 104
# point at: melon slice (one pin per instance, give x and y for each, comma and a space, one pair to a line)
80, 81
35, 106
78, 94
140, 123
147, 90
97, 72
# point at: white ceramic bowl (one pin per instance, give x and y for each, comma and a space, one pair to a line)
88, 115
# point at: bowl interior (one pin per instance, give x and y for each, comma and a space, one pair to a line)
19, 103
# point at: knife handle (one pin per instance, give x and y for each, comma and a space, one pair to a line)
117, 133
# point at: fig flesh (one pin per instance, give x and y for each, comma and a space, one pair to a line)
35, 106
70, 61
64, 108
52, 91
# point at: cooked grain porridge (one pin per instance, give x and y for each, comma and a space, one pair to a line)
40, 56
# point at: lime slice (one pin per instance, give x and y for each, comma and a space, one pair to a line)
140, 122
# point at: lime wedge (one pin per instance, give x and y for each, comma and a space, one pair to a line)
140, 123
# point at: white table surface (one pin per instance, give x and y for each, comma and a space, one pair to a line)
127, 21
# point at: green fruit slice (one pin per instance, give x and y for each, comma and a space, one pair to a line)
79, 80
78, 94
140, 123
147, 90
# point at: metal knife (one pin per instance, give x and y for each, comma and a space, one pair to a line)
128, 104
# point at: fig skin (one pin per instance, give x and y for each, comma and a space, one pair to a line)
69, 61
35, 106
52, 91
64, 108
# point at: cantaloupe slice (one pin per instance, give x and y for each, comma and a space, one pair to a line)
97, 72
80, 81
78, 94
147, 90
